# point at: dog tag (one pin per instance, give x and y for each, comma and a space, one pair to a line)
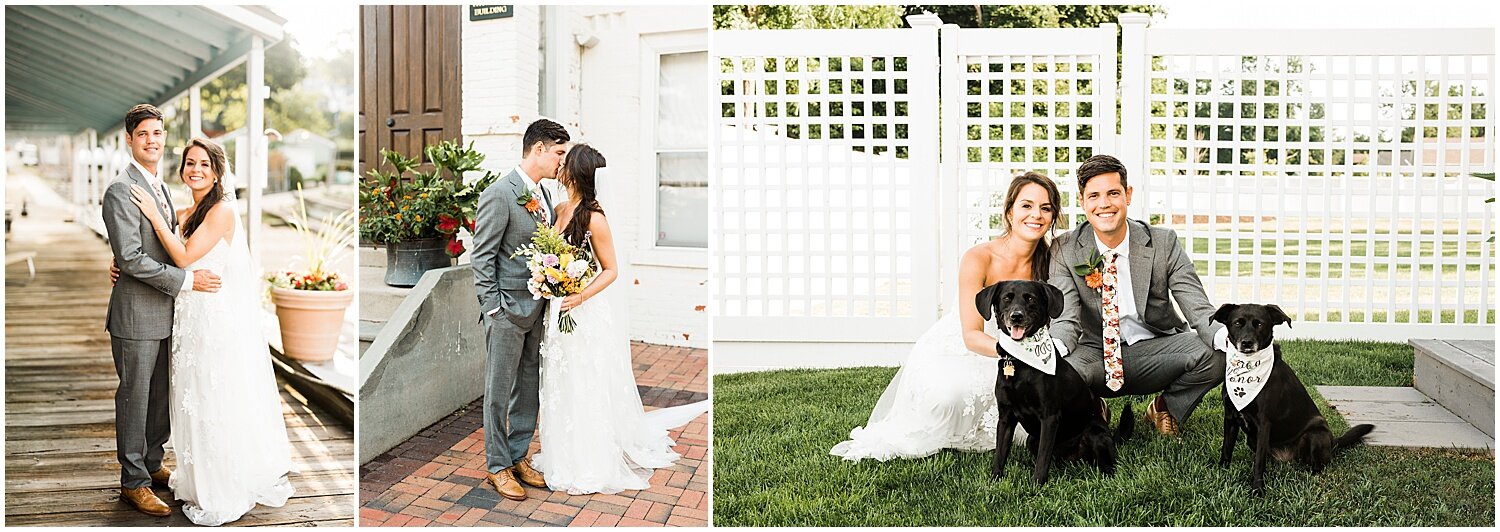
1010, 369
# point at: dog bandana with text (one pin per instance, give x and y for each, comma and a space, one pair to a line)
1245, 375
1036, 350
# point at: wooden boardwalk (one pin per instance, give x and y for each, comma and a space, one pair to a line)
60, 467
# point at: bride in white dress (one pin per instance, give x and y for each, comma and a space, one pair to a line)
227, 426
944, 395
595, 437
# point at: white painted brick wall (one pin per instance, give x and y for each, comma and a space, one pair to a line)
666, 305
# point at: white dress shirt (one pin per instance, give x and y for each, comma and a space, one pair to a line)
1132, 326
157, 191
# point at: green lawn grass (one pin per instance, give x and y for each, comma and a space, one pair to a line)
773, 430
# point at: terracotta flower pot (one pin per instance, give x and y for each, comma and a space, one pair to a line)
310, 321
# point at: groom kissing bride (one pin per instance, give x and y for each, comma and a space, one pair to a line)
185, 332
595, 437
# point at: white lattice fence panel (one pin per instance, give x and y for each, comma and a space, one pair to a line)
1328, 172
1020, 100
824, 198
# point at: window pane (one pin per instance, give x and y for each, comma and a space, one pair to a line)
682, 199
682, 101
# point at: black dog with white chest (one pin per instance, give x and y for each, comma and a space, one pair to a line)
1061, 414
1281, 422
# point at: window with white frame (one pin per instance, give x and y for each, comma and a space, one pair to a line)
680, 149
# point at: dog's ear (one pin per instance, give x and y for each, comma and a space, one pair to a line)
985, 301
1222, 315
1054, 300
1278, 314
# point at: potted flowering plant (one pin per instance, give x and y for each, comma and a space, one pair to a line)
417, 215
310, 303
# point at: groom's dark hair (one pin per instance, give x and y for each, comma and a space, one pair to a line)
544, 131
140, 113
1099, 165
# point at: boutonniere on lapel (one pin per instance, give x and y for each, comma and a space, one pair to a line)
531, 204
1091, 270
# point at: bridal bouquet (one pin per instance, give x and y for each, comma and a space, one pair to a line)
558, 269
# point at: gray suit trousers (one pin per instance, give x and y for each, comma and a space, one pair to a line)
1179, 366
511, 386
142, 407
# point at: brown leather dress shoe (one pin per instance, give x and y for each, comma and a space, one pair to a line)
161, 476
1157, 414
146, 501
529, 474
505, 483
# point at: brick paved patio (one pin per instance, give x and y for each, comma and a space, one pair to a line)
436, 478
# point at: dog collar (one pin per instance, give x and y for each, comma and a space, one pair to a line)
1036, 350
1245, 375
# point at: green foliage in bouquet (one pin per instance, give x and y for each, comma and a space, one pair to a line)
407, 204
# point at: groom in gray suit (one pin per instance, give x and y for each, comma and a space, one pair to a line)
1129, 317
139, 320
509, 211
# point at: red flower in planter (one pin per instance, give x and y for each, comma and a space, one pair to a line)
447, 224
455, 248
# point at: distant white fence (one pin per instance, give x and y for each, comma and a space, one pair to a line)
1325, 171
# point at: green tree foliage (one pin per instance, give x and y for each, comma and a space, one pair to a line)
224, 97
1030, 16
792, 17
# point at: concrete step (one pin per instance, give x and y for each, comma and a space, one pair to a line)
368, 330
372, 256
378, 300
1404, 417
1460, 375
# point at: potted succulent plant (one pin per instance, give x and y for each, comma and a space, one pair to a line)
417, 215
310, 303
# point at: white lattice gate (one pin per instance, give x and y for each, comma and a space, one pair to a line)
825, 192
1326, 171
1022, 100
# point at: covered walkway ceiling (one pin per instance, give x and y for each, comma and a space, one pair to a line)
70, 68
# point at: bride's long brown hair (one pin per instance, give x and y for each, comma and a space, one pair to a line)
1041, 257
216, 161
579, 169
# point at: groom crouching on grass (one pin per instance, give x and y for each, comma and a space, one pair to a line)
509, 211
139, 319
1119, 278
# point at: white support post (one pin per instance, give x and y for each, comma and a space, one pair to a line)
195, 111
255, 137
951, 86
1134, 76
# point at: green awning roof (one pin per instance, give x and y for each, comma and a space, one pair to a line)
70, 68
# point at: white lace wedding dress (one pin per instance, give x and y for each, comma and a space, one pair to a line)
595, 437
227, 426
942, 398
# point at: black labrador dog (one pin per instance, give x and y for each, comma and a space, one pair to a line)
1282, 422
1061, 414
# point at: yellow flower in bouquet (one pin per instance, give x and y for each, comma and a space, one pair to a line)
558, 269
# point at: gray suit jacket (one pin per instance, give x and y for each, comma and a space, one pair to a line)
140, 305
501, 227
1159, 269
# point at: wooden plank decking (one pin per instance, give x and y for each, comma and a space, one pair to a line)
60, 467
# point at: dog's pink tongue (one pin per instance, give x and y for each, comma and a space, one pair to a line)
1017, 333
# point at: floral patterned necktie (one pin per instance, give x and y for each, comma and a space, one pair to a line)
1114, 370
